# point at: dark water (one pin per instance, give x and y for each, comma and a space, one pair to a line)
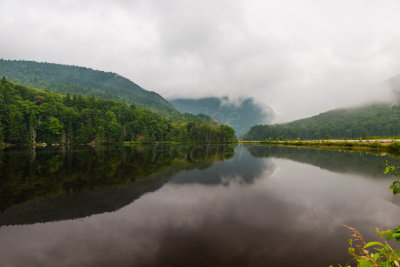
189, 206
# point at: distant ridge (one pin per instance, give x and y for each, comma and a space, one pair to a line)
240, 116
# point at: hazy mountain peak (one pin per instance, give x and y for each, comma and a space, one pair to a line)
240, 114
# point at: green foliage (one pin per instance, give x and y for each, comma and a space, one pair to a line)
72, 80
80, 80
375, 253
33, 116
1, 135
55, 126
372, 120
393, 170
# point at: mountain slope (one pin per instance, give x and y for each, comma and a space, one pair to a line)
371, 120
72, 80
239, 116
79, 80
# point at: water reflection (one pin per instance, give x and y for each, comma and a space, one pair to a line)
364, 163
55, 184
242, 167
242, 211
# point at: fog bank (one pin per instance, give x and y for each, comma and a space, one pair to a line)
298, 57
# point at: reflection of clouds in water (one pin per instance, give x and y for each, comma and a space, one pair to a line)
323, 194
296, 209
361, 163
242, 165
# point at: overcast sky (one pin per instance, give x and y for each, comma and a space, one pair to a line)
301, 57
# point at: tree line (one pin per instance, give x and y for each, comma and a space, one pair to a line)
29, 116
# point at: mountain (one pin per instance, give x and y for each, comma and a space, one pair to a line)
79, 80
29, 116
72, 80
369, 120
239, 116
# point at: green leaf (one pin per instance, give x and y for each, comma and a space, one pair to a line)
364, 263
389, 236
370, 244
386, 170
385, 232
376, 256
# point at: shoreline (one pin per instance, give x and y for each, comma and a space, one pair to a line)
120, 144
384, 145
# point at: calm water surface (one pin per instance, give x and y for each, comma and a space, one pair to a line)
189, 206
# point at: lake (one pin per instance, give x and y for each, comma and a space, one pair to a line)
181, 205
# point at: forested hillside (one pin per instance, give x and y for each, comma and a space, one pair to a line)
80, 80
371, 120
239, 116
30, 116
88, 82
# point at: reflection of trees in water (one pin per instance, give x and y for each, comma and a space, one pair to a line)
62, 183
74, 182
337, 161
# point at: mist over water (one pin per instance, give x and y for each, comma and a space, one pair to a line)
207, 207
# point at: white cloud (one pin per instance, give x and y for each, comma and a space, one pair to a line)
300, 57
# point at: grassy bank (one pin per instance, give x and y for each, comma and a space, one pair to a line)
387, 145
